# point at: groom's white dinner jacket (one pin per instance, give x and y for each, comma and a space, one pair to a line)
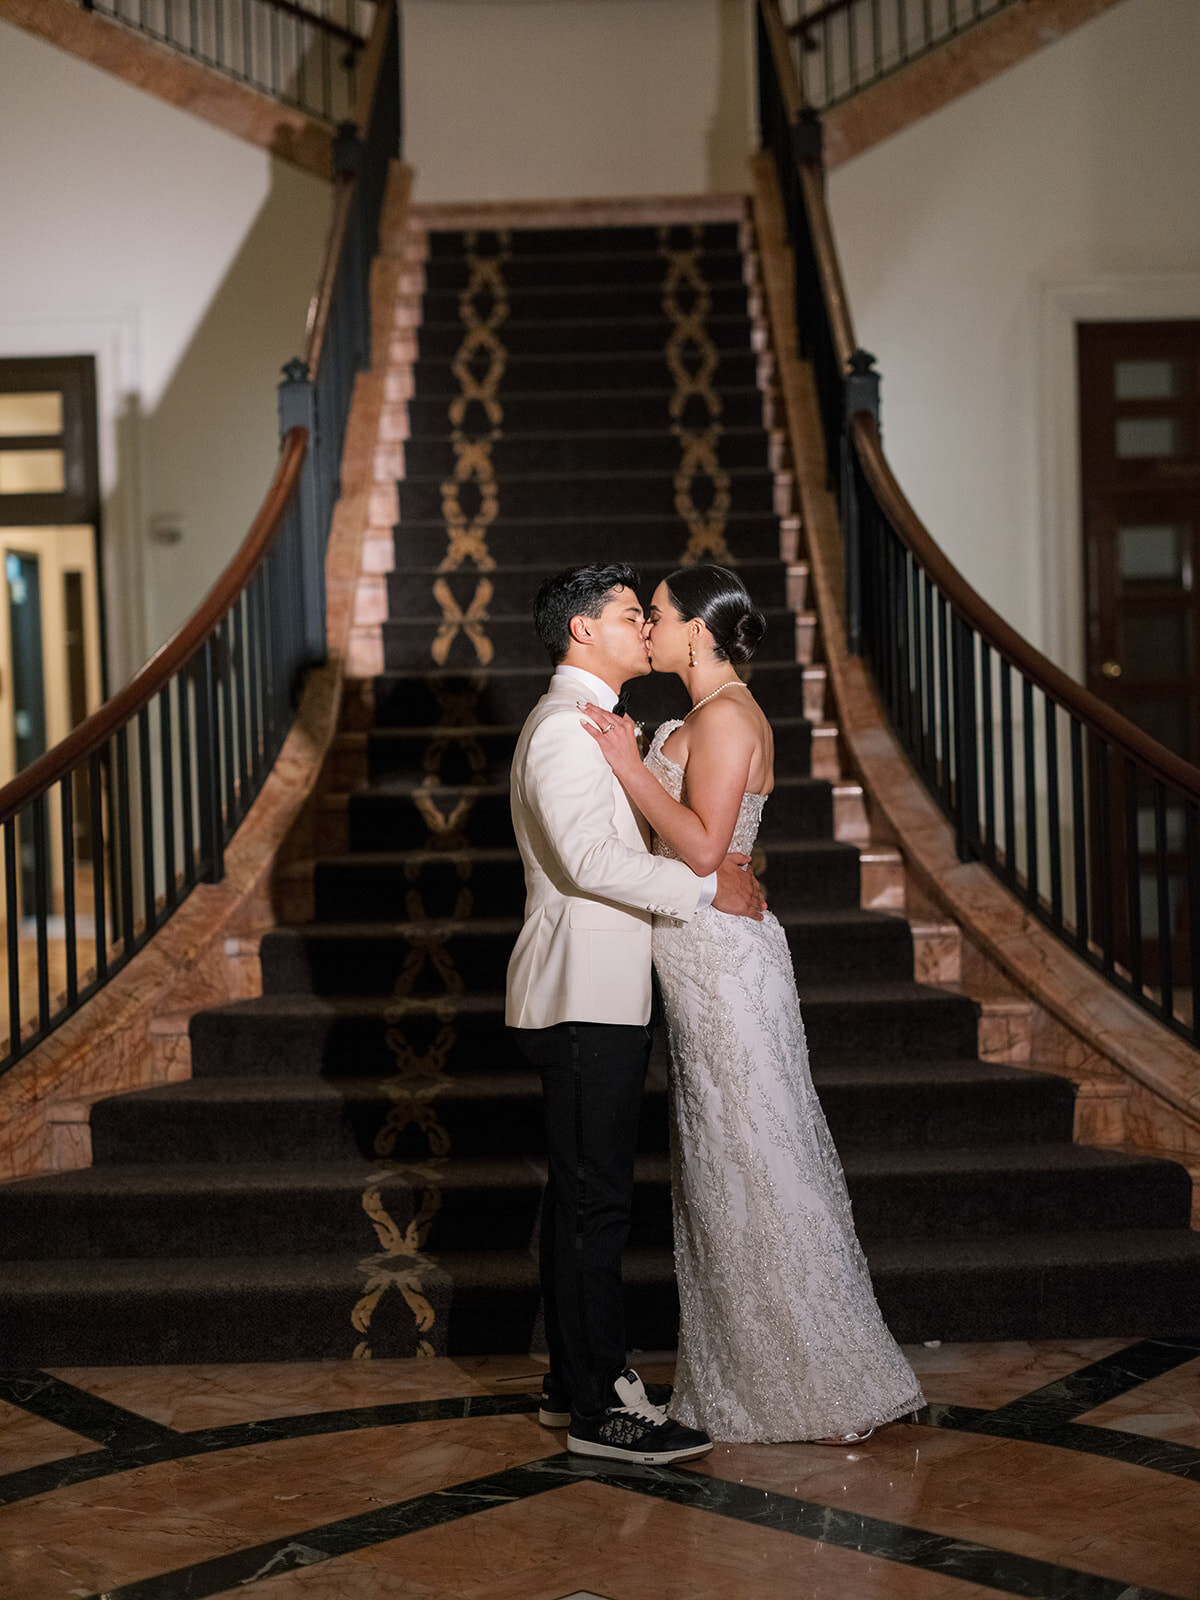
591, 885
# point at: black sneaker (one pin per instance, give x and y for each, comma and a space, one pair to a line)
554, 1412
635, 1430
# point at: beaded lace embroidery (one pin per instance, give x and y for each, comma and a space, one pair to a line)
780, 1334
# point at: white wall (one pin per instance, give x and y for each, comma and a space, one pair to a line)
1067, 188
184, 260
537, 99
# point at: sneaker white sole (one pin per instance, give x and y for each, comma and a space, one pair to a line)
650, 1458
554, 1419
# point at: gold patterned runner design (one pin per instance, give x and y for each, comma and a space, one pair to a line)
478, 367
692, 360
402, 1267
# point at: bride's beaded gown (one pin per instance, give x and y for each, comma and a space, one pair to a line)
780, 1335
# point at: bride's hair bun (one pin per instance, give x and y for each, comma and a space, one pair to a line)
745, 637
719, 599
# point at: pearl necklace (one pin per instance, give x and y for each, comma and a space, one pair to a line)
733, 683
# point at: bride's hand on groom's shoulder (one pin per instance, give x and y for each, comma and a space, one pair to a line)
739, 893
616, 736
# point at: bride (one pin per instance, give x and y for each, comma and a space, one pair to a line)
780, 1335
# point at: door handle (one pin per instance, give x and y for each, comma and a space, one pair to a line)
1111, 669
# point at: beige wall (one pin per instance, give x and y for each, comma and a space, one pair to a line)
1068, 188
536, 99
183, 259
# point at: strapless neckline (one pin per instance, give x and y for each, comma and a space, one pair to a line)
663, 733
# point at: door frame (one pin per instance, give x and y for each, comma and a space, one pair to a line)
1058, 545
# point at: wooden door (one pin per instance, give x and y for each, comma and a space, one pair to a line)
1139, 409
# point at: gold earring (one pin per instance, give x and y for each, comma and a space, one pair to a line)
691, 652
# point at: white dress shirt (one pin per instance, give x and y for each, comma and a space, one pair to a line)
605, 696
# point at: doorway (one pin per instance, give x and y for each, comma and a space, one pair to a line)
1139, 413
51, 644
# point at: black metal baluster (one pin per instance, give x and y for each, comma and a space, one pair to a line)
99, 863
1133, 876
1191, 832
851, 15
219, 33
125, 844
1079, 824
1054, 821
167, 770
248, 41
929, 692
989, 753
254, 678
928, 35
1162, 879
1031, 817
876, 39
827, 51
41, 908
946, 728
208, 769
225, 685
238, 676
1007, 775
965, 740
12, 931
66, 818
187, 813
1104, 863
273, 34
146, 790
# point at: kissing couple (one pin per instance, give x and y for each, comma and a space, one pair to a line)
628, 863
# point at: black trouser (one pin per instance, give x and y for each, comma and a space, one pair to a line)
593, 1074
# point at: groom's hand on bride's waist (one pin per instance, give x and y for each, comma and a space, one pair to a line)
739, 893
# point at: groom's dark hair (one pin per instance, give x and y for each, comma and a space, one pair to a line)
578, 592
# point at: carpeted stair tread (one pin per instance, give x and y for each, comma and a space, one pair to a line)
580, 270
586, 239
601, 370
566, 541
554, 455
309, 1117
154, 1209
409, 642
403, 697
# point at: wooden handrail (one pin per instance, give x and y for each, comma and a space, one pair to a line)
352, 40
805, 23
95, 731
1075, 699
319, 307
372, 64
1078, 701
322, 300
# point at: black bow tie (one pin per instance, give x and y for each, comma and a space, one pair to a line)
621, 707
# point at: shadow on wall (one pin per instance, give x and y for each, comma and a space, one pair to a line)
209, 447
731, 134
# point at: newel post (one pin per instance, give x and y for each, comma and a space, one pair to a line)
861, 394
298, 408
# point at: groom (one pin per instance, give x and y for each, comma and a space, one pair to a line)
579, 1003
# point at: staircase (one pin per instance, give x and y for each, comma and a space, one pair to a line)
355, 1165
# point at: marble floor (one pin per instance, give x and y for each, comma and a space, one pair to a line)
1046, 1470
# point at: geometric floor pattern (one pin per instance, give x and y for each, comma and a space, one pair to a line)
1047, 1470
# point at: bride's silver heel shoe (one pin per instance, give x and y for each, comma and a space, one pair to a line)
847, 1438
